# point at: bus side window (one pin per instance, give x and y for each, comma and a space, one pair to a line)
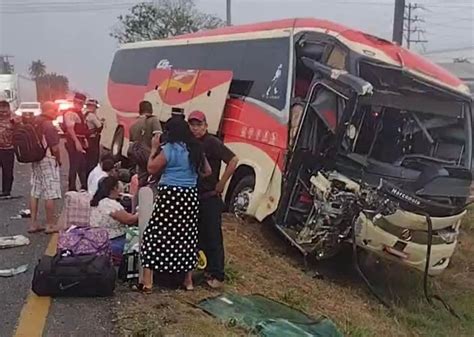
240, 88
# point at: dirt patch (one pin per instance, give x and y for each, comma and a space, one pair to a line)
259, 261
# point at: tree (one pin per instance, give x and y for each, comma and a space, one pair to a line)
162, 19
51, 87
37, 69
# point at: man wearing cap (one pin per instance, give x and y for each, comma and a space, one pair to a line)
45, 175
7, 155
95, 125
211, 205
76, 142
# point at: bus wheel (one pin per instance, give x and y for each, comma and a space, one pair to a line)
241, 196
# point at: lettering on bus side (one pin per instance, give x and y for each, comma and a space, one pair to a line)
259, 135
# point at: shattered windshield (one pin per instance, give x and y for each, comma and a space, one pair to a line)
393, 135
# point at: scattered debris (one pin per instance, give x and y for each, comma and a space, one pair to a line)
11, 197
13, 241
13, 271
25, 213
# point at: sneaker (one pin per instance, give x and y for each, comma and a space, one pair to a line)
5, 195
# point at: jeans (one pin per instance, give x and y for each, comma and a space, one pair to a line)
77, 167
7, 160
211, 240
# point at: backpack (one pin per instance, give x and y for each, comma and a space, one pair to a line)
28, 142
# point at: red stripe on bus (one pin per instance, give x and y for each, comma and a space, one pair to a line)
403, 57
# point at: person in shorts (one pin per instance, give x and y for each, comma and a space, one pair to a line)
45, 175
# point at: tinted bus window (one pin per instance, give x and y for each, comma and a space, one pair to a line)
263, 63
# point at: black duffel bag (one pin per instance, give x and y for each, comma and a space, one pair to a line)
74, 276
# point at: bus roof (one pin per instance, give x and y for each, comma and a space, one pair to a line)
371, 46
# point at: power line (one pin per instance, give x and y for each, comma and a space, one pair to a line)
447, 50
412, 20
64, 9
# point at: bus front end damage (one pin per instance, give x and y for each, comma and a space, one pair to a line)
381, 161
380, 222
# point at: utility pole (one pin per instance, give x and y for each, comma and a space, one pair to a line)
411, 20
409, 26
398, 20
229, 13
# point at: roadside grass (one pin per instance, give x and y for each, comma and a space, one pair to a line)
259, 261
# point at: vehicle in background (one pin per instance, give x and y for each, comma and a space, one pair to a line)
17, 88
342, 137
28, 109
63, 106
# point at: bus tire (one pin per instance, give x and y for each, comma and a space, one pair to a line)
240, 197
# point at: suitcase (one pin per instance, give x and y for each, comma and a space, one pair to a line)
85, 241
74, 276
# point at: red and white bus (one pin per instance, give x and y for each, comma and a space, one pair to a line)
340, 135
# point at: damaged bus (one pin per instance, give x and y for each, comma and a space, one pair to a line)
341, 136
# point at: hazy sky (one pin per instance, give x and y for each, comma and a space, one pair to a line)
76, 42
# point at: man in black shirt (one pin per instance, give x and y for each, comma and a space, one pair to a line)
210, 190
76, 142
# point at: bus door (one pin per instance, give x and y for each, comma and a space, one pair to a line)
190, 90
332, 99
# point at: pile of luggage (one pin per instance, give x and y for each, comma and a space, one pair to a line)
83, 264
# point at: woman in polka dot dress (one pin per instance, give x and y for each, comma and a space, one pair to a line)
170, 240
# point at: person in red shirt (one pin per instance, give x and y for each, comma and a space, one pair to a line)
7, 155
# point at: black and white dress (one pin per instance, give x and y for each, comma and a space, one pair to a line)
170, 240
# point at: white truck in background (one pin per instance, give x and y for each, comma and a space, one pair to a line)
17, 88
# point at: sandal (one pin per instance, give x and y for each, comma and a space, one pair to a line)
142, 289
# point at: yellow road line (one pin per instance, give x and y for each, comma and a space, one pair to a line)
35, 311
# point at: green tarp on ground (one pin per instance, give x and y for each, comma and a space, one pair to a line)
267, 318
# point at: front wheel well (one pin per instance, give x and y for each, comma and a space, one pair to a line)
241, 172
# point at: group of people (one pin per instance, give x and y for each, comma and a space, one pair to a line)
183, 161
82, 132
